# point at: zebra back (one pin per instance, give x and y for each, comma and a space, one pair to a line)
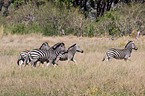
44, 46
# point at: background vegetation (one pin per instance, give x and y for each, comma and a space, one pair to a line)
76, 17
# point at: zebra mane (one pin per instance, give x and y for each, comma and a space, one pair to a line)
72, 46
57, 45
128, 43
44, 44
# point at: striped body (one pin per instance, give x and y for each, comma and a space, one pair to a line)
121, 53
118, 53
40, 55
22, 56
69, 55
48, 56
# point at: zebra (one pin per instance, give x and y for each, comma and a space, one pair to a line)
44, 46
23, 54
48, 56
121, 53
69, 55
22, 57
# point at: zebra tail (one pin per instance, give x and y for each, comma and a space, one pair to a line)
19, 58
104, 57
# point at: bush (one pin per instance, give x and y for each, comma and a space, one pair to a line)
19, 29
51, 20
123, 20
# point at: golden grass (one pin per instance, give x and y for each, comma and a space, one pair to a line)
90, 76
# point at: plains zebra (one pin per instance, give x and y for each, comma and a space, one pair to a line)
22, 57
23, 54
121, 53
48, 56
69, 55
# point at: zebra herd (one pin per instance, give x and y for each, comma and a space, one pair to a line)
48, 54
53, 54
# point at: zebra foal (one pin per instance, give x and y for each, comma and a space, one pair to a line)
69, 55
121, 53
48, 56
23, 54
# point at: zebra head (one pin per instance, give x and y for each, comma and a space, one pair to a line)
131, 45
75, 47
60, 47
44, 46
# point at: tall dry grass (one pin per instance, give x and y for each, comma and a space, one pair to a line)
90, 76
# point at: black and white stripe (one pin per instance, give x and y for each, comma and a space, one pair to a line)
69, 55
48, 56
22, 56
121, 53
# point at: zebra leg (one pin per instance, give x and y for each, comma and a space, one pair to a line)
104, 57
21, 62
33, 62
110, 58
74, 61
38, 63
42, 64
55, 64
68, 61
57, 59
129, 58
25, 63
49, 63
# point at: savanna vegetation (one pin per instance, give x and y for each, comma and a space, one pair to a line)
26, 24
91, 76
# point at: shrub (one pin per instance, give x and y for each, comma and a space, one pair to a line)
50, 19
19, 29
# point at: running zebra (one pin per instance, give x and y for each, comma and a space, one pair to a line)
69, 55
121, 53
22, 57
23, 54
48, 56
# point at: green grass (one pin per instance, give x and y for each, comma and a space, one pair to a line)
90, 76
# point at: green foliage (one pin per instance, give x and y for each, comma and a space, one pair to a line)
18, 3
123, 20
20, 28
23, 29
60, 18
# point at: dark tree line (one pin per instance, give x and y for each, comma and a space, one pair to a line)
101, 6
6, 3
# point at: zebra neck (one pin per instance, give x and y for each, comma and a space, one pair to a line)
130, 50
72, 51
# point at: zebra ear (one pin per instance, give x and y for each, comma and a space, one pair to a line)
46, 43
57, 45
74, 44
71, 46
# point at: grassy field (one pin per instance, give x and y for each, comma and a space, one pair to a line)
90, 76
